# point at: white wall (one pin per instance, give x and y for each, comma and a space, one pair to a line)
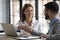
2, 12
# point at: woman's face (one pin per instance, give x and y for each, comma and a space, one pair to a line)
28, 12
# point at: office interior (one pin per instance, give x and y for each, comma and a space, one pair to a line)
10, 11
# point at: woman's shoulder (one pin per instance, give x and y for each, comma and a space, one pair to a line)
21, 22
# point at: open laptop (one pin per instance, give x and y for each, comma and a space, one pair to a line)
9, 30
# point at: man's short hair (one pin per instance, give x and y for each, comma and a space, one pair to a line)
52, 6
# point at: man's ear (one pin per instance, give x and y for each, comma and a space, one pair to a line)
50, 13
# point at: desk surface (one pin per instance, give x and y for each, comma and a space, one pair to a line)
11, 38
4, 37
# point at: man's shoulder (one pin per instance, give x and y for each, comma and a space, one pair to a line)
57, 22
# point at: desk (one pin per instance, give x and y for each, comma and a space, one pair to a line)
4, 37
10, 38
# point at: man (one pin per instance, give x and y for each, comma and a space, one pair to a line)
51, 11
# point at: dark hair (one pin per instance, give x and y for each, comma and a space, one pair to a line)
52, 6
23, 9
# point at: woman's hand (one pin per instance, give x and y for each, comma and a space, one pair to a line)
21, 27
25, 28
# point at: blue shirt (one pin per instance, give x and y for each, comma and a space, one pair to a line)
51, 24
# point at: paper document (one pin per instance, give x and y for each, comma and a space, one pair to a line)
28, 37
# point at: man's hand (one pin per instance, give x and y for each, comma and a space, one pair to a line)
44, 36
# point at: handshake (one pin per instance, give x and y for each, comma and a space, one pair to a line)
25, 28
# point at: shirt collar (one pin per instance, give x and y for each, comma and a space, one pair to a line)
33, 22
53, 20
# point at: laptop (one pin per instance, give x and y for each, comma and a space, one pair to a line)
9, 30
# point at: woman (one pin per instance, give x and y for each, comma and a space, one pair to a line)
26, 25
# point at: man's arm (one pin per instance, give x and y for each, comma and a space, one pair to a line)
36, 33
56, 34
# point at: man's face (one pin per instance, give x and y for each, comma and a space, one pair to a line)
46, 14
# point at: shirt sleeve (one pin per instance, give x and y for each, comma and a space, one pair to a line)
37, 30
16, 25
35, 33
19, 23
